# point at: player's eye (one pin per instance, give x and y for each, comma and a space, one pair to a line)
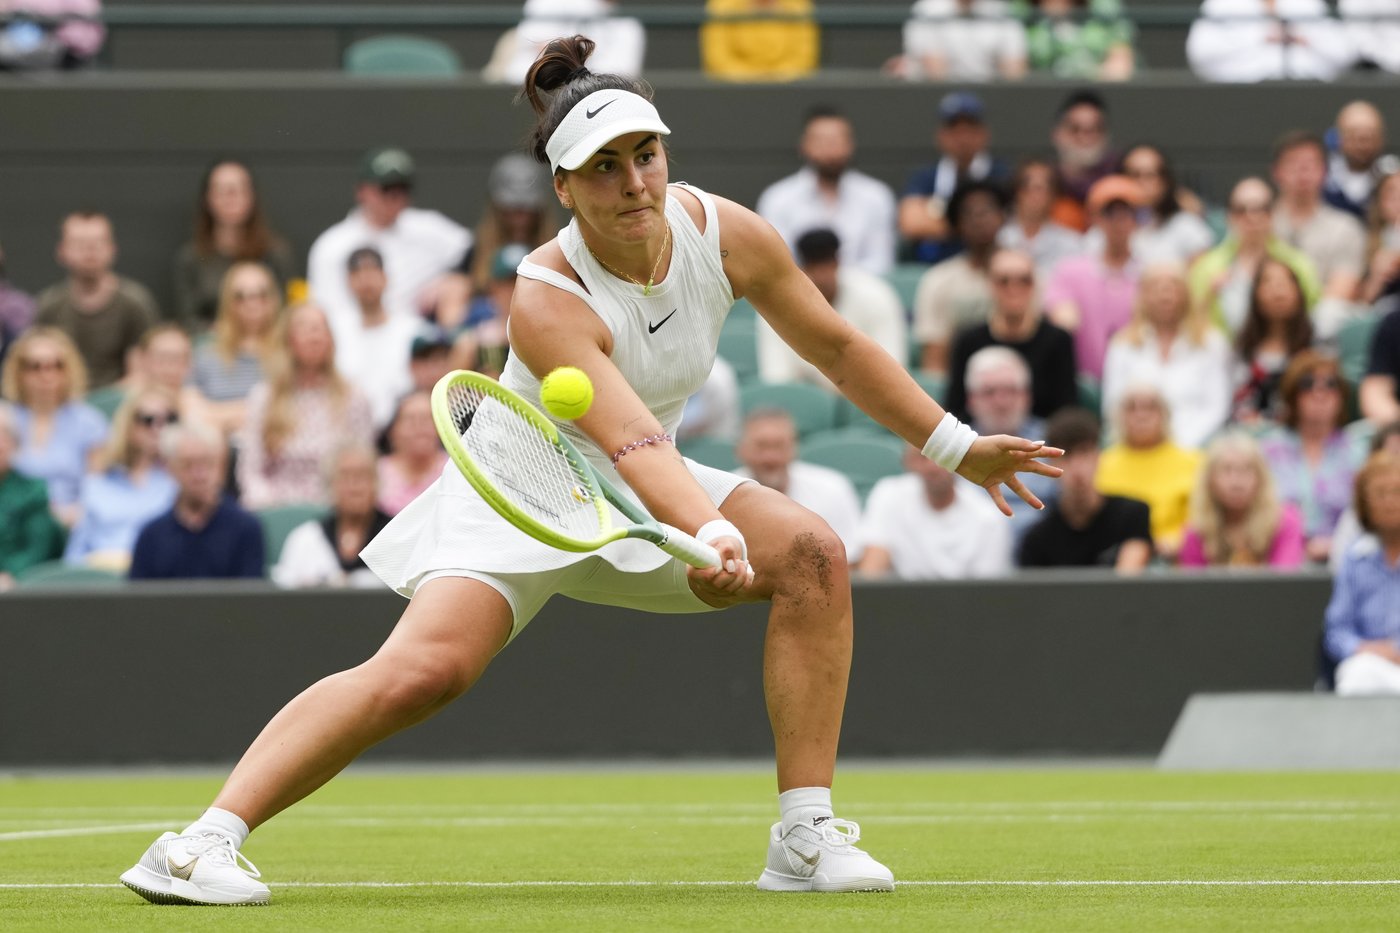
646, 156
604, 165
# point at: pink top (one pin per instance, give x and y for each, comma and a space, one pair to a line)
1288, 552
296, 474
1104, 298
397, 491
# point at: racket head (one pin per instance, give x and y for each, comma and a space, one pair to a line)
517, 460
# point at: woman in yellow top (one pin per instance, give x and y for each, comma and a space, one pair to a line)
779, 43
1144, 464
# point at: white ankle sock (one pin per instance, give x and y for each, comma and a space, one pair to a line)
223, 822
803, 804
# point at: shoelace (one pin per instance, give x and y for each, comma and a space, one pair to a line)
220, 849
840, 832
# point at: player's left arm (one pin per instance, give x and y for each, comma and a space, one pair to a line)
760, 267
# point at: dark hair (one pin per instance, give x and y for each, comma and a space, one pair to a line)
1384, 433
1071, 428
820, 245
1078, 98
363, 253
822, 111
558, 80
1170, 204
1023, 170
1305, 363
1298, 139
967, 190
256, 237
1300, 330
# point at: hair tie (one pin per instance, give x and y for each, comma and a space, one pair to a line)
579, 72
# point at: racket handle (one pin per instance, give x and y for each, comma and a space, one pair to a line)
693, 552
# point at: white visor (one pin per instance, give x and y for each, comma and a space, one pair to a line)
595, 121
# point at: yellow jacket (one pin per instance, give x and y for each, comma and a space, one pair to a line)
759, 49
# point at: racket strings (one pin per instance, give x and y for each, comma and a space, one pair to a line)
524, 463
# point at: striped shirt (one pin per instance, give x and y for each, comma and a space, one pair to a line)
222, 381
1365, 603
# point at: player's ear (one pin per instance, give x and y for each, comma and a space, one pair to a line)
561, 191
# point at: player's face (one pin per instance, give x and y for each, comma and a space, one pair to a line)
621, 191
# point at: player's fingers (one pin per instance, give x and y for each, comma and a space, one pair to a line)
1020, 489
995, 492
1044, 469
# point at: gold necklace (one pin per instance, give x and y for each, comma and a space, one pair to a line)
651, 279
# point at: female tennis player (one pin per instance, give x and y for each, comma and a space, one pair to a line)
633, 292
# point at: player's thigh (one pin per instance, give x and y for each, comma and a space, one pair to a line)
788, 544
451, 629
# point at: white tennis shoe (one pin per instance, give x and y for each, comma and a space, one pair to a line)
201, 869
821, 856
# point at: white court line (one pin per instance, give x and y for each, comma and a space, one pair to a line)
82, 831
1043, 883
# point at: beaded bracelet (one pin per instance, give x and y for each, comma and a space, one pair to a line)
643, 442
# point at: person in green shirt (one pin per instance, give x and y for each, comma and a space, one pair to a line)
1087, 40
28, 532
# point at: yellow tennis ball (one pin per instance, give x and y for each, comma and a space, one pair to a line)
566, 393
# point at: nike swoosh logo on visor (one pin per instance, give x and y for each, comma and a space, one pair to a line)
590, 114
653, 328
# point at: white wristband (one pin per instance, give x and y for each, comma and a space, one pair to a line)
719, 528
949, 442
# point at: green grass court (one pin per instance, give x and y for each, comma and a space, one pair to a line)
676, 849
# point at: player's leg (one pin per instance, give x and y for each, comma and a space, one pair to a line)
800, 566
442, 644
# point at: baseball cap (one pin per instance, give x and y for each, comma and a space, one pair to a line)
429, 337
1113, 188
387, 167
517, 181
600, 117
507, 260
960, 105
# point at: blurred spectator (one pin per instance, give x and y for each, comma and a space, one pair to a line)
1383, 240
1276, 329
1332, 239
420, 247
229, 227
1144, 464
1083, 152
1263, 40
1016, 323
1359, 161
1236, 518
1362, 629
1171, 230
326, 551
866, 300
780, 41
227, 367
48, 34
104, 313
828, 193
373, 350
999, 402
1085, 40
28, 533
415, 456
1223, 279
166, 361
1035, 188
1374, 29
621, 40
961, 141
429, 357
1091, 296
1349, 530
957, 293
1171, 344
298, 415
768, 450
17, 310
1313, 462
60, 436
519, 211
928, 524
714, 410
1085, 528
1379, 394
961, 40
130, 488
485, 345
204, 535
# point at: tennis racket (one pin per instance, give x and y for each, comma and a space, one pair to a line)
517, 460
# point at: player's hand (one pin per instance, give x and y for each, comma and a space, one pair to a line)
994, 461
723, 583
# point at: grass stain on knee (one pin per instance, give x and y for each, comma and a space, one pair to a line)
808, 552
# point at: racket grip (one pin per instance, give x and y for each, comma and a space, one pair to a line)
687, 548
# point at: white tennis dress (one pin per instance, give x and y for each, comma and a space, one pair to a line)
663, 343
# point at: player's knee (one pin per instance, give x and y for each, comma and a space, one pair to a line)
814, 567
421, 685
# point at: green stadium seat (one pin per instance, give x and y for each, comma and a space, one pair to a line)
55, 574
711, 452
1358, 435
1090, 393
863, 457
106, 399
401, 55
850, 417
738, 344
812, 409
278, 522
935, 384
743, 310
1354, 346
904, 279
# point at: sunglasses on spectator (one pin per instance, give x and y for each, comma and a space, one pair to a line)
1256, 209
1309, 382
37, 366
261, 294
1137, 174
1006, 281
148, 420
